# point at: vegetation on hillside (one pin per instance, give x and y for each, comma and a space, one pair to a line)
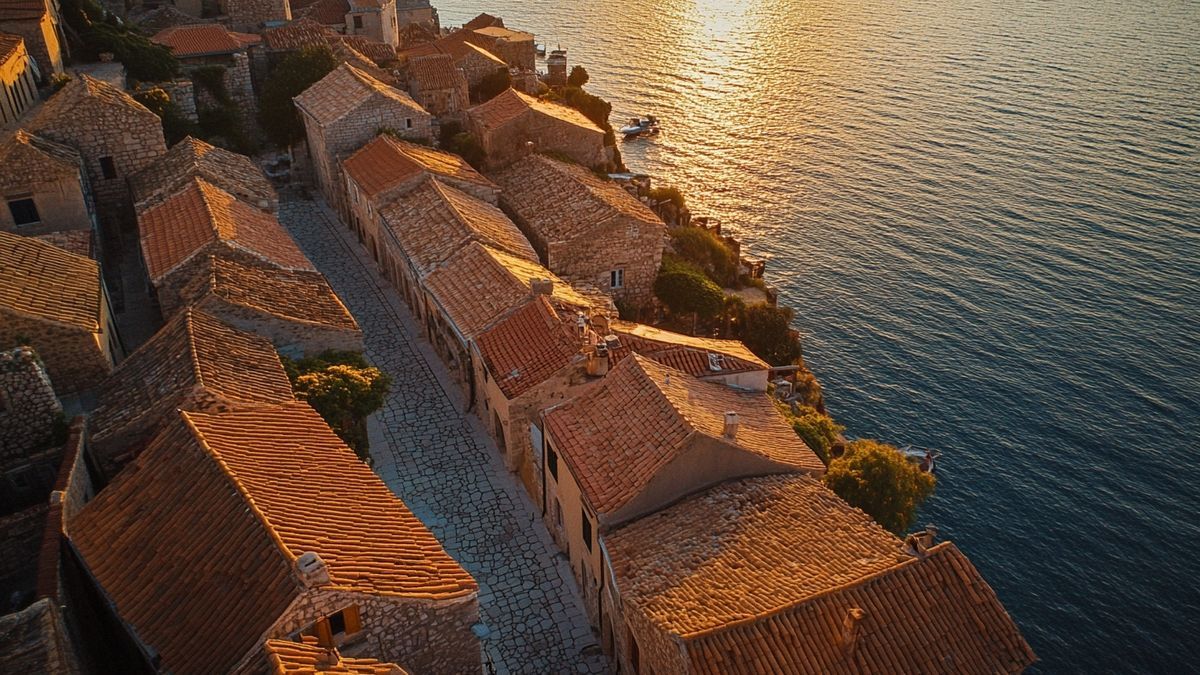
93, 31
176, 127
880, 480
578, 77
344, 389
491, 86
295, 73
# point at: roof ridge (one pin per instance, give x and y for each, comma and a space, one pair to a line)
188, 317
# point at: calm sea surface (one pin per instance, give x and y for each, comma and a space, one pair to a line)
987, 216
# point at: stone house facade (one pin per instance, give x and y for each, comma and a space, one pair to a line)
37, 21
329, 552
584, 227
438, 85
474, 62
16, 79
513, 124
29, 411
193, 158
419, 13
517, 48
346, 109
65, 317
207, 45
373, 19
251, 15
116, 135
44, 187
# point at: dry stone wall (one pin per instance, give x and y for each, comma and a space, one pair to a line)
28, 406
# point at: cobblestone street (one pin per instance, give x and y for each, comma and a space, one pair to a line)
440, 461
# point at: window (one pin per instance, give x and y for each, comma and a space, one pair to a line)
552, 461
407, 122
558, 513
616, 278
333, 630
358, 23
634, 656
24, 211
587, 529
108, 168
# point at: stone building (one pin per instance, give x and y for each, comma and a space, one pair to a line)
517, 48
179, 232
288, 534
208, 45
38, 22
418, 13
328, 13
474, 62
374, 20
308, 32
56, 302
584, 227
193, 158
116, 135
252, 15
438, 85
194, 362
296, 310
346, 109
727, 362
513, 125
291, 657
29, 412
16, 79
36, 640
778, 574
44, 187
671, 434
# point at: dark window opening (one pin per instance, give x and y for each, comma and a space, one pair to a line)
358, 22
552, 461
24, 211
108, 168
587, 529
634, 656
407, 122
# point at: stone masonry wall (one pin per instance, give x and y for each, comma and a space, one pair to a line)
623, 243
20, 540
73, 357
28, 406
292, 338
168, 288
249, 15
506, 143
183, 94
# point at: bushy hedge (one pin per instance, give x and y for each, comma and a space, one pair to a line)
295, 73
880, 480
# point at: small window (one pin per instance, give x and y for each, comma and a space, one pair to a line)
24, 211
558, 514
587, 529
407, 122
634, 653
616, 279
552, 461
108, 168
332, 629
358, 23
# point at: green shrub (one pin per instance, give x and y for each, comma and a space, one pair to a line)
144, 61
669, 194
880, 480
344, 390
468, 147
685, 292
707, 251
767, 331
491, 86
295, 73
578, 77
820, 432
176, 127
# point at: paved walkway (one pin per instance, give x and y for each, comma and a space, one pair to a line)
443, 465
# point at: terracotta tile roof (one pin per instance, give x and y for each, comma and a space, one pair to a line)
202, 214
75, 98
511, 104
387, 161
325, 12
29, 159
379, 52
528, 346
562, 201
152, 20
346, 88
435, 71
285, 657
9, 45
297, 296
78, 242
203, 39
35, 640
644, 415
193, 158
193, 358
433, 221
502, 33
19, 10
758, 576
453, 46
479, 285
211, 559
483, 21
696, 356
303, 32
42, 281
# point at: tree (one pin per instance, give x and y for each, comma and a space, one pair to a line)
491, 86
819, 431
295, 73
144, 60
578, 77
767, 331
344, 390
708, 251
881, 481
176, 127
688, 292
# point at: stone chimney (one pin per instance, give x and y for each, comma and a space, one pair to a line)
731, 425
542, 286
597, 365
851, 628
312, 569
918, 543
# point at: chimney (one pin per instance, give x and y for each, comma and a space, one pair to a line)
597, 364
731, 425
851, 627
312, 569
920, 542
542, 286
600, 321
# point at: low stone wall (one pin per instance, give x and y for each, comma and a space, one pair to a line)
28, 406
20, 540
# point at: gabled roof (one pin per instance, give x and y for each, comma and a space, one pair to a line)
193, 158
454, 46
696, 356
435, 71
502, 33
297, 296
297, 34
35, 640
193, 354
346, 88
200, 214
433, 221
9, 45
483, 21
78, 242
643, 415
195, 543
562, 201
511, 104
758, 575
285, 657
29, 159
76, 98
528, 346
203, 39
21, 10
387, 161
44, 282
325, 12
479, 285
158, 18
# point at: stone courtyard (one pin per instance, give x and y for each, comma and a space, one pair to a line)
439, 460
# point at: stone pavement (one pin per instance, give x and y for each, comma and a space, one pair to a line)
440, 461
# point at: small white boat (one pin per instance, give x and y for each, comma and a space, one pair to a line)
641, 126
924, 457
